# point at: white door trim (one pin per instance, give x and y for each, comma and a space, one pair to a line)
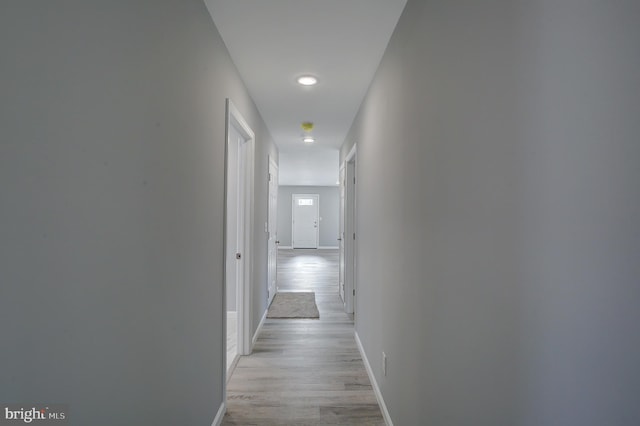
350, 241
341, 234
316, 197
244, 292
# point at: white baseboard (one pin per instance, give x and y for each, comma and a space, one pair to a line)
374, 384
255, 336
319, 248
218, 420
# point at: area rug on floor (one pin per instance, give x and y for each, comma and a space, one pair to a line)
294, 305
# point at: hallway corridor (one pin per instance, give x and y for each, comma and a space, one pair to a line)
304, 372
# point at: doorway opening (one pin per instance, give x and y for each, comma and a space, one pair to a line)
238, 236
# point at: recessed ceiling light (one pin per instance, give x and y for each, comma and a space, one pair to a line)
307, 80
308, 139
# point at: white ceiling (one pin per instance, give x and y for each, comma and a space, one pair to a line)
341, 42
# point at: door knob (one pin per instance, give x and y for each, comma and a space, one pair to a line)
238, 256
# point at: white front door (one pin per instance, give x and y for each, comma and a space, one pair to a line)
305, 220
272, 226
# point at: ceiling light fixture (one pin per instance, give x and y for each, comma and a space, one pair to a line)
307, 80
308, 139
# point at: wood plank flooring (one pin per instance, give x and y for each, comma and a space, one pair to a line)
304, 371
232, 337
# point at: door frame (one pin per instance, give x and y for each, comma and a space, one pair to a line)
244, 290
293, 215
272, 224
350, 241
341, 234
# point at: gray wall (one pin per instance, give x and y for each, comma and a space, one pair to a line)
329, 212
112, 127
498, 205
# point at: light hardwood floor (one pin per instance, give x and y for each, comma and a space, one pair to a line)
232, 337
304, 371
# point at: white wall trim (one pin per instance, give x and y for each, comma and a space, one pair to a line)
255, 336
374, 383
218, 420
319, 248
351, 154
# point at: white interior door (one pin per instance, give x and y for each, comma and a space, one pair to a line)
341, 235
305, 220
233, 221
272, 229
350, 241
234, 270
238, 236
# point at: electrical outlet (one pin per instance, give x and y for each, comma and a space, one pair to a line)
384, 364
